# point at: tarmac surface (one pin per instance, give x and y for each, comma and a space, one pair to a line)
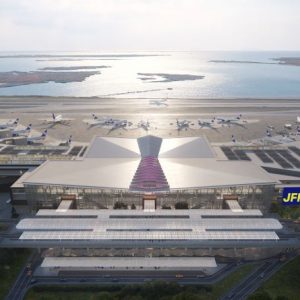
257, 114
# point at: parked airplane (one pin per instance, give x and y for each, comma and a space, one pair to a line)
97, 121
57, 119
144, 125
159, 102
206, 123
229, 120
184, 124
120, 124
9, 124
67, 142
277, 138
20, 132
94, 122
33, 139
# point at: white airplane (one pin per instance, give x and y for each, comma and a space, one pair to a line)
229, 120
57, 119
33, 139
144, 125
206, 123
184, 124
103, 121
9, 124
159, 102
120, 124
67, 142
22, 132
277, 139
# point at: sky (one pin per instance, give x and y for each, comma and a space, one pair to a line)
149, 25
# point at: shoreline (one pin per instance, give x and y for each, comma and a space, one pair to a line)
281, 98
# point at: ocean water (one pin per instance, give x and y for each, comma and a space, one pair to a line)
122, 80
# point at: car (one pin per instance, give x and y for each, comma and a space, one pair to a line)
32, 281
115, 280
8, 201
262, 275
179, 276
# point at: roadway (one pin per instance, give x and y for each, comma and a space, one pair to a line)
18, 290
254, 280
26, 280
131, 277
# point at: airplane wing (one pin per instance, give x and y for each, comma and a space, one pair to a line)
46, 120
93, 122
66, 119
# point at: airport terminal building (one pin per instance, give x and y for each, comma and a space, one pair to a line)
146, 173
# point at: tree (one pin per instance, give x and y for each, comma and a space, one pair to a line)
181, 205
120, 205
165, 206
105, 296
260, 295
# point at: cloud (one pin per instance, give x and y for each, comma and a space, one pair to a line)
119, 25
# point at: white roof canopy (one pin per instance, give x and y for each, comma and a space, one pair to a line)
185, 162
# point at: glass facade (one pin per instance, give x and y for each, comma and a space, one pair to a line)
49, 196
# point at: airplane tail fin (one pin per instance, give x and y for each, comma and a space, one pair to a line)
16, 121
233, 139
70, 139
44, 134
28, 127
53, 116
269, 134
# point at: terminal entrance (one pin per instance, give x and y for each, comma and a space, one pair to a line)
231, 202
149, 202
68, 201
